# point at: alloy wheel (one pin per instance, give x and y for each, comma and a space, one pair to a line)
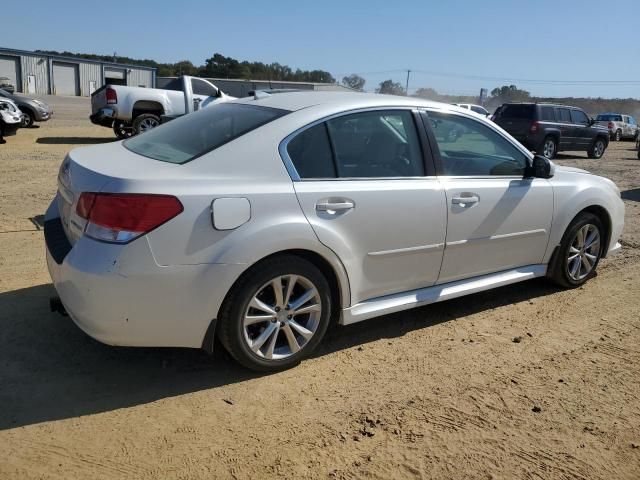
282, 317
598, 149
549, 148
584, 252
148, 124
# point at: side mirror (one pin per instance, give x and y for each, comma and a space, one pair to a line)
540, 168
592, 121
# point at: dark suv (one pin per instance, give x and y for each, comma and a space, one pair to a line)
548, 129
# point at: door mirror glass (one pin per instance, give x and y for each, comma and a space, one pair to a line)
540, 168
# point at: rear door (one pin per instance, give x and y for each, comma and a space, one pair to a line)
367, 187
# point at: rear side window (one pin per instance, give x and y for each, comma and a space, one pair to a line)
518, 111
609, 118
195, 134
361, 145
310, 153
547, 114
479, 110
175, 84
200, 87
563, 115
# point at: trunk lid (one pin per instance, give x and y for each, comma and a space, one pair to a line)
109, 167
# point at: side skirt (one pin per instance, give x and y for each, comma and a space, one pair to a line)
437, 293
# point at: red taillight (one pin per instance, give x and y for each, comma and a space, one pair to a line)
112, 96
611, 125
121, 217
534, 127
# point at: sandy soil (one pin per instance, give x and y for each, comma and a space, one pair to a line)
438, 392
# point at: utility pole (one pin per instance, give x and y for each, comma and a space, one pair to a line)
406, 90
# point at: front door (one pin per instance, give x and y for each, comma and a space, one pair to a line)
497, 220
568, 139
581, 128
365, 188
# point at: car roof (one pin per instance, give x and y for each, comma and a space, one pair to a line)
294, 101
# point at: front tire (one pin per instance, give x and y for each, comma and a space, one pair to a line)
27, 119
597, 148
145, 122
579, 253
276, 314
122, 129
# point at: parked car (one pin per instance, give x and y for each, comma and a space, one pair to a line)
5, 84
548, 129
257, 221
34, 110
479, 109
10, 119
133, 110
620, 127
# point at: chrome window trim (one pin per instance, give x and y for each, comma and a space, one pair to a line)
291, 169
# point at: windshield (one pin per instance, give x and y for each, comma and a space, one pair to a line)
517, 111
607, 117
195, 134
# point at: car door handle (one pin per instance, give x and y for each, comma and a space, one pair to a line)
335, 206
464, 201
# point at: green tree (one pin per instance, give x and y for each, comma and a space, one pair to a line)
354, 81
510, 93
390, 87
428, 93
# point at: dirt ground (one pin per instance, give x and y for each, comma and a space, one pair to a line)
439, 392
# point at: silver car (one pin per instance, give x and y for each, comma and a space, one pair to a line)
261, 219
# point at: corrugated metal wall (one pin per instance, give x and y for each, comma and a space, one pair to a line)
137, 78
89, 72
37, 66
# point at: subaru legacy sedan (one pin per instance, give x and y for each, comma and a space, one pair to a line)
260, 220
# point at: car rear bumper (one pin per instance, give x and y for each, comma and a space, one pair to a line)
104, 117
119, 295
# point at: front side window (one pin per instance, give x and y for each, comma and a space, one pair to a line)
376, 144
469, 148
195, 134
563, 115
578, 116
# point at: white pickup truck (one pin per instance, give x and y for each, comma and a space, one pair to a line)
132, 110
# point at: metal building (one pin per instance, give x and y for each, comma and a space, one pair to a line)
44, 74
241, 88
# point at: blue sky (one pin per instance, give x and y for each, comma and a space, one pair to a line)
561, 40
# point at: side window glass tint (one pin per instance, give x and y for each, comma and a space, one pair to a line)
202, 88
310, 153
547, 114
376, 144
563, 115
469, 148
579, 117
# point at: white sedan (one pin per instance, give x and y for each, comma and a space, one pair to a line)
261, 219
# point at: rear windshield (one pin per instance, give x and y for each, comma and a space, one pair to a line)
517, 111
195, 134
609, 118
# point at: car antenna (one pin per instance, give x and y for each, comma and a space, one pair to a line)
258, 94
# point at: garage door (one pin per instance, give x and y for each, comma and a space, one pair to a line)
65, 78
10, 67
115, 76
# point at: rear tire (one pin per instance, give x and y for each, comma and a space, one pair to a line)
145, 122
618, 135
597, 148
581, 247
266, 331
549, 148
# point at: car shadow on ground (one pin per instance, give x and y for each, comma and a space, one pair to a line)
632, 194
50, 370
74, 140
571, 156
